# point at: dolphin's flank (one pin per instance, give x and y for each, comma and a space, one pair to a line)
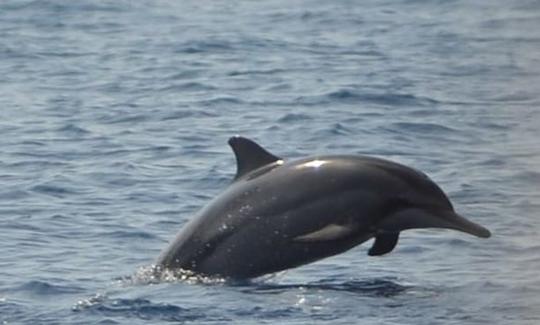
277, 215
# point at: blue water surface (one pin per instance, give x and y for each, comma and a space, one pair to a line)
114, 117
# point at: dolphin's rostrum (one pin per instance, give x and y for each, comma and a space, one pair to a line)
278, 215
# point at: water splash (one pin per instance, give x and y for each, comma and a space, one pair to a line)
154, 274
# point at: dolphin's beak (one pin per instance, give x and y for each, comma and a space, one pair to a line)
457, 222
411, 218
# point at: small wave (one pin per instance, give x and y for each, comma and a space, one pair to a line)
126, 118
221, 100
492, 162
185, 74
347, 96
14, 194
340, 129
423, 127
73, 7
334, 129
264, 313
203, 47
42, 164
374, 287
53, 190
516, 97
24, 225
13, 311
72, 129
137, 308
255, 72
43, 288
130, 234
344, 94
292, 117
33, 143
391, 99
528, 176
188, 114
413, 250
188, 86
458, 243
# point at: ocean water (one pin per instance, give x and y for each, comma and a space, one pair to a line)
114, 118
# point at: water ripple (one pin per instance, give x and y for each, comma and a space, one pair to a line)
348, 96
293, 118
44, 288
138, 308
434, 128
374, 287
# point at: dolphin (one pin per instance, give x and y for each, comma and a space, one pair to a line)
277, 215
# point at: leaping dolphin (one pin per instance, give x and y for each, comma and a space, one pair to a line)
278, 215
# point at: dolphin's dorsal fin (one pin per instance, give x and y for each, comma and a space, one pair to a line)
384, 243
249, 155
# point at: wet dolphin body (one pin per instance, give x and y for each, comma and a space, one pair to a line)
278, 215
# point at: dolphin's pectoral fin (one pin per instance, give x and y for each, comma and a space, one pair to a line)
384, 243
329, 232
249, 155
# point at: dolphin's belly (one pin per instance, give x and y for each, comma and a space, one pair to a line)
251, 229
259, 242
245, 258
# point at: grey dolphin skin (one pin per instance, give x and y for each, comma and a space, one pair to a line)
278, 215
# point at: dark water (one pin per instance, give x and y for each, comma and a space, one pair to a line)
114, 117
